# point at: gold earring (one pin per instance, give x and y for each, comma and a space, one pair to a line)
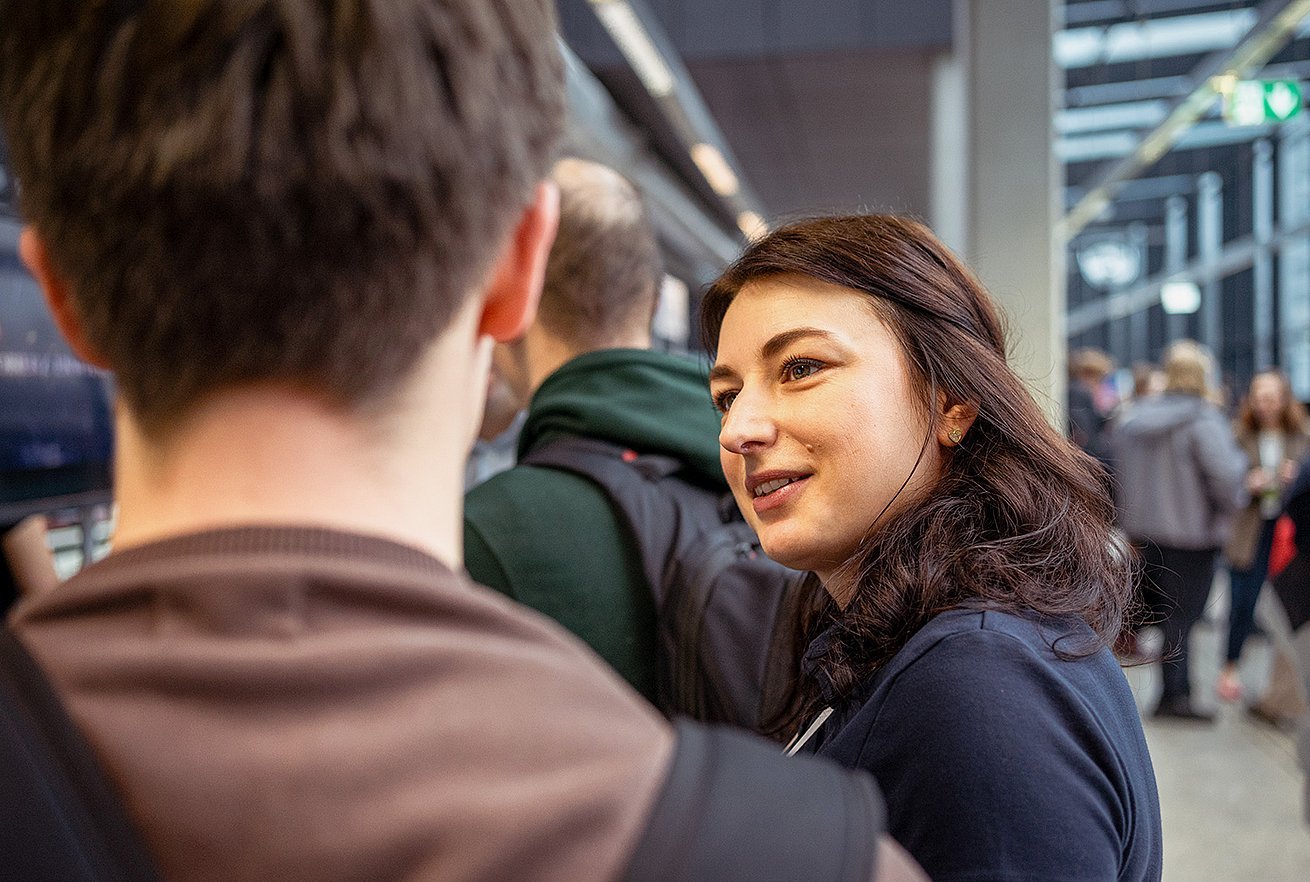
955, 435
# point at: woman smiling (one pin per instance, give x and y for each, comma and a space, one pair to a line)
966, 582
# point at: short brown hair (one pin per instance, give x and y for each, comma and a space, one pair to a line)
604, 270
1020, 519
274, 190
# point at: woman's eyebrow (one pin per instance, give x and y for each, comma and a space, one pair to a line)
780, 341
772, 348
721, 372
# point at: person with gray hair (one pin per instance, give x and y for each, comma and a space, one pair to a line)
550, 539
1180, 481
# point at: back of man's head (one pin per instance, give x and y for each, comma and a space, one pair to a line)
287, 191
604, 270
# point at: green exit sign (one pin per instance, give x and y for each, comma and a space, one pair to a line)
1253, 102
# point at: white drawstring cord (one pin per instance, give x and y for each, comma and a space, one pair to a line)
799, 741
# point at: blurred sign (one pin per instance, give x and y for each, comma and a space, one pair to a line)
1255, 102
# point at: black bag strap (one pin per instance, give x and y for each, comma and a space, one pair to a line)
734, 808
723, 656
62, 819
630, 480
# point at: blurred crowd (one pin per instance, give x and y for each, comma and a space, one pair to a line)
1205, 486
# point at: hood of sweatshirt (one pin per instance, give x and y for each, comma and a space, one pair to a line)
649, 401
1159, 415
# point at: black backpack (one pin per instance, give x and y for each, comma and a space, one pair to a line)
723, 608
60, 820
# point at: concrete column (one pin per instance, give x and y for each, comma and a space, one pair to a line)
1012, 182
1294, 260
1120, 339
1262, 197
949, 163
1210, 242
1138, 319
1175, 256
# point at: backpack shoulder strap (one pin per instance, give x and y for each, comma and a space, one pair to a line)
720, 817
722, 653
632, 481
62, 818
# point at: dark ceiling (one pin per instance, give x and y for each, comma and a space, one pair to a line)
825, 106
828, 106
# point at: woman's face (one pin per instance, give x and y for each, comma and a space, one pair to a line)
821, 425
1267, 400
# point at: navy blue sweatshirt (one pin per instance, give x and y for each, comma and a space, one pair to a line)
999, 760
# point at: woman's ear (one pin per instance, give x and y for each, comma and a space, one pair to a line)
956, 420
58, 297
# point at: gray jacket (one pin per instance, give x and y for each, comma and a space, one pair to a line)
1179, 471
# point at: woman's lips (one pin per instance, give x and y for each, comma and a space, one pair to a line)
781, 496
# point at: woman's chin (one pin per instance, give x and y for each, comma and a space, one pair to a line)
787, 554
778, 554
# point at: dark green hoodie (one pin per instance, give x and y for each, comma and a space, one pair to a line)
551, 540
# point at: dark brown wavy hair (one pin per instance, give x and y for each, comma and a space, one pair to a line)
1019, 520
1292, 419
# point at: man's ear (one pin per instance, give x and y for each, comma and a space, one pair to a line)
36, 257
516, 280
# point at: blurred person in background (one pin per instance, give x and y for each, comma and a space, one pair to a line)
1148, 380
1272, 429
616, 520
502, 419
27, 568
552, 539
1286, 701
1088, 415
1180, 480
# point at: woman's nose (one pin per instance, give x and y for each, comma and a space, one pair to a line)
748, 425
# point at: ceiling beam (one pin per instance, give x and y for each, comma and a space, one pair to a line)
1278, 20
598, 130
1138, 40
1145, 189
1107, 10
1123, 91
1237, 255
656, 62
1109, 145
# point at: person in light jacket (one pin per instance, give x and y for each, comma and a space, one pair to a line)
1272, 429
1181, 478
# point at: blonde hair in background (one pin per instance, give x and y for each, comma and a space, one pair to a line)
1090, 364
1188, 368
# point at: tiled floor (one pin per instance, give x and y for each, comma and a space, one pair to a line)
1231, 792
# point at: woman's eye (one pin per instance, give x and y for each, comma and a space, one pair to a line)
799, 368
724, 400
